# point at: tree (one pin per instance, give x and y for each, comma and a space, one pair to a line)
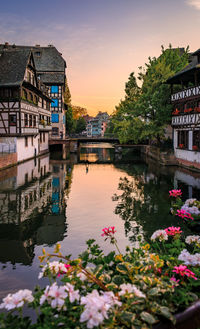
78, 111
69, 120
67, 94
80, 125
150, 103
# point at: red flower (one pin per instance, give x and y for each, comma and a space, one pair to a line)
175, 193
195, 147
173, 230
184, 214
184, 271
108, 231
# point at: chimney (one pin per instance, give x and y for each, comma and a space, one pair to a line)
38, 46
6, 45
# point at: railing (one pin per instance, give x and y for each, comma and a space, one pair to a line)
186, 93
7, 148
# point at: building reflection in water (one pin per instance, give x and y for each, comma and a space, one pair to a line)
96, 153
31, 209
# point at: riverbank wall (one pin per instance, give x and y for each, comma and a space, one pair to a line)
167, 158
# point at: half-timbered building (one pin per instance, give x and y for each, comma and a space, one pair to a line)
25, 117
185, 98
50, 69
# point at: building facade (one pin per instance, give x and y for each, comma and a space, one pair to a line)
186, 113
96, 127
25, 117
50, 70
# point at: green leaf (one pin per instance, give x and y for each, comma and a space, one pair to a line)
167, 314
118, 279
127, 318
122, 268
153, 292
147, 317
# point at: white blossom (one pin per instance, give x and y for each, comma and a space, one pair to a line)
189, 259
81, 276
192, 239
97, 306
161, 235
16, 300
55, 268
130, 288
73, 294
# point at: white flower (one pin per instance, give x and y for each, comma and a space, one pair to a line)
17, 300
189, 259
55, 296
73, 294
81, 276
192, 239
55, 268
161, 235
96, 307
130, 288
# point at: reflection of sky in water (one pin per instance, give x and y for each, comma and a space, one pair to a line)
89, 189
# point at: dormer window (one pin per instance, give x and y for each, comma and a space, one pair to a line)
31, 97
24, 94
38, 53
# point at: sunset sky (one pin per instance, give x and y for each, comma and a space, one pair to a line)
102, 41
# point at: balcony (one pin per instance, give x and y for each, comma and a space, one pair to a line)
185, 94
44, 126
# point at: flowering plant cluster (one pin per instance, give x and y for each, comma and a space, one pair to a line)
132, 290
188, 210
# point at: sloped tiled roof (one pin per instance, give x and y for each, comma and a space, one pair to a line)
52, 77
47, 59
190, 68
12, 66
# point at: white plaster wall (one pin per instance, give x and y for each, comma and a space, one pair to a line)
44, 146
187, 155
24, 153
187, 179
31, 169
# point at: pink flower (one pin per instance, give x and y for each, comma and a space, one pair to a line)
184, 214
174, 279
108, 231
184, 271
175, 193
173, 230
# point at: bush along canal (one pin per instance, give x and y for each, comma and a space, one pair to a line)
140, 265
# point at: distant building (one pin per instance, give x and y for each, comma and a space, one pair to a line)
186, 113
97, 126
25, 117
50, 69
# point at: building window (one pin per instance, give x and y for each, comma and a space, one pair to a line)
31, 97
54, 102
26, 141
32, 140
26, 120
34, 121
24, 94
196, 140
54, 131
40, 137
29, 76
12, 119
54, 89
30, 120
183, 139
54, 118
43, 137
38, 53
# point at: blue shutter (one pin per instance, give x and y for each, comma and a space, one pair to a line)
54, 102
54, 117
54, 89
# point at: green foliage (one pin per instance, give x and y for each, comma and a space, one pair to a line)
146, 111
80, 125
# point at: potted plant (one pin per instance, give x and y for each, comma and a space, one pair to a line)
181, 146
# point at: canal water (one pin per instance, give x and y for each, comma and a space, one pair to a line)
45, 201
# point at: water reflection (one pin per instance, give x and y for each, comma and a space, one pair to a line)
32, 209
44, 201
143, 203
